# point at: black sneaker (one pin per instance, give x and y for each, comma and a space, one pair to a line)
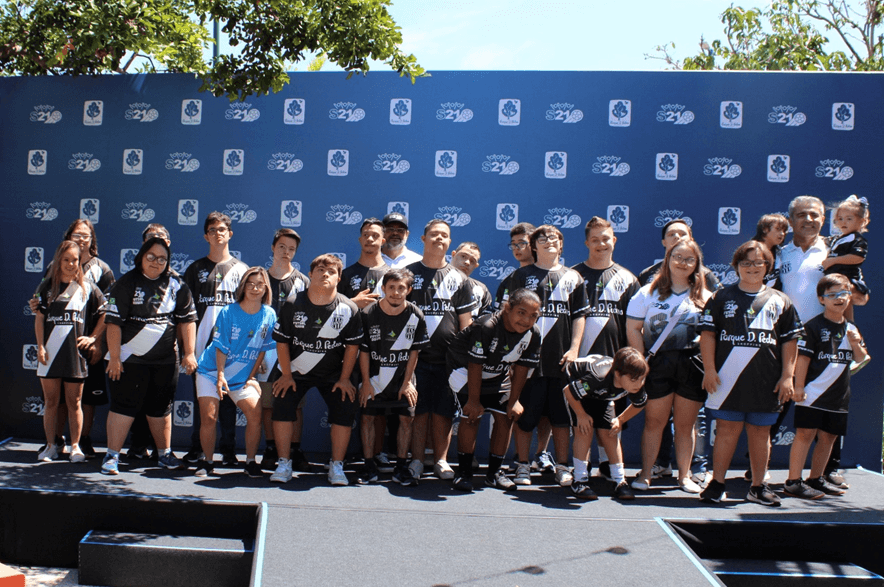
820, 484
500, 481
836, 479
203, 469
253, 470
624, 492
714, 493
137, 453
194, 455
86, 447
228, 459
605, 470
582, 490
300, 462
268, 461
368, 474
403, 476
762, 494
60, 443
801, 489
464, 484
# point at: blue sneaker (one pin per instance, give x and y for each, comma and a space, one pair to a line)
110, 465
169, 461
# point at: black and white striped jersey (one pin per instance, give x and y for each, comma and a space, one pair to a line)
591, 379
281, 290
827, 386
72, 314
389, 340
608, 292
213, 286
148, 311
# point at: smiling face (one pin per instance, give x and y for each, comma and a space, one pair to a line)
70, 264
682, 261
807, 221
752, 270
835, 300
396, 292
522, 317
600, 243
466, 259
154, 268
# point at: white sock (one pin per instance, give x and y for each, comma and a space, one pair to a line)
580, 470
617, 472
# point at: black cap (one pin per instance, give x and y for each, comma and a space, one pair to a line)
396, 217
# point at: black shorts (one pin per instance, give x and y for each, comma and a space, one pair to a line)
543, 396
674, 371
433, 393
602, 412
492, 400
831, 422
341, 411
151, 387
388, 403
95, 386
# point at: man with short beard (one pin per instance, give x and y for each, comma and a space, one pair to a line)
394, 252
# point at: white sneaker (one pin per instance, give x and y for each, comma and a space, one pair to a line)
283, 473
687, 484
658, 471
443, 470
77, 455
429, 459
564, 476
702, 478
336, 474
50, 453
523, 474
417, 468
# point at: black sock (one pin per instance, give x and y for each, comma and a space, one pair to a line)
296, 446
271, 444
401, 462
494, 463
465, 464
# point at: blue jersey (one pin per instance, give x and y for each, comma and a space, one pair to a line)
242, 337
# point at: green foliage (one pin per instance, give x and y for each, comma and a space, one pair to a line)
75, 37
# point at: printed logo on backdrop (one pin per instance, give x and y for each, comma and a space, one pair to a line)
338, 162
84, 162
342, 257
41, 211
562, 218
507, 216
454, 111
93, 112
787, 115
842, 116
674, 113
188, 212
667, 166
191, 111
498, 269
834, 169
344, 214
391, 163
89, 209
346, 111
290, 213
243, 112
722, 167
133, 163
669, 215
778, 168
33, 404
183, 413
237, 254
728, 221
180, 262
453, 216
446, 163
731, 115
37, 162
619, 112
398, 208
610, 165
138, 211
725, 273
293, 111
285, 162
400, 111
240, 419
141, 111
233, 162
509, 112
34, 259
555, 165
240, 213
500, 164
564, 112
183, 162
45, 114
29, 361
783, 437
127, 259
618, 216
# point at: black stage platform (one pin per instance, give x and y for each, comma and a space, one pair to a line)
309, 533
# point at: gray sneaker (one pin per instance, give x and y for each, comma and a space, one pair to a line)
283, 473
523, 474
820, 484
336, 474
801, 489
500, 481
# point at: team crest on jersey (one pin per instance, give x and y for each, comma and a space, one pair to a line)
825, 335
730, 309
409, 332
299, 320
493, 346
234, 332
337, 322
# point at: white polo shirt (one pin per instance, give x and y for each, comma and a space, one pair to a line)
799, 272
404, 259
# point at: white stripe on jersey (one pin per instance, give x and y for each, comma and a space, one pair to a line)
380, 381
60, 332
830, 375
566, 285
147, 338
594, 327
519, 348
335, 323
305, 362
404, 341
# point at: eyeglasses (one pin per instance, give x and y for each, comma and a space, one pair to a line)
753, 263
542, 240
151, 258
79, 236
255, 286
837, 295
391, 230
684, 260
218, 230
517, 246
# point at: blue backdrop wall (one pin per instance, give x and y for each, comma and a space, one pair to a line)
483, 150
